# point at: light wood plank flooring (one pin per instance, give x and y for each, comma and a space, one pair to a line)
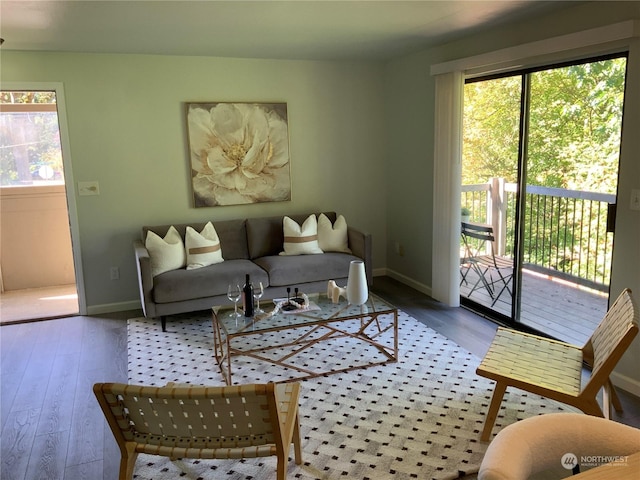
52, 427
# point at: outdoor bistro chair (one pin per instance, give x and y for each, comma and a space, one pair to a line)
554, 369
229, 422
494, 272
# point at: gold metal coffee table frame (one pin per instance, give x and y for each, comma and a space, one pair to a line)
366, 324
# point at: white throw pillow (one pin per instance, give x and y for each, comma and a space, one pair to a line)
165, 253
202, 248
333, 238
300, 240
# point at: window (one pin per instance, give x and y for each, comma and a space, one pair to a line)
30, 152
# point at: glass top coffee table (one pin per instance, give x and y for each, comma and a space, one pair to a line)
325, 339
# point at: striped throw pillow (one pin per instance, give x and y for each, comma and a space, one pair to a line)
202, 248
300, 240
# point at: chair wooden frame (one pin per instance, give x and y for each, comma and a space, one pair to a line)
230, 422
476, 239
554, 369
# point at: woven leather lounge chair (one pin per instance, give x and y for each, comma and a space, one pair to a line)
229, 422
554, 369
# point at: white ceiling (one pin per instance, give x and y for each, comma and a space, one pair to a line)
300, 29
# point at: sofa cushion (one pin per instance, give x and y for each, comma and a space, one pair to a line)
233, 239
296, 270
183, 284
232, 234
265, 235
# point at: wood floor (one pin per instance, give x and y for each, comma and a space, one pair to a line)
52, 427
560, 309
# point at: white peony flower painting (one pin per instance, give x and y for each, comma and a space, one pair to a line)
239, 153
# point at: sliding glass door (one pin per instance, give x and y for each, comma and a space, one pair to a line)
540, 163
489, 176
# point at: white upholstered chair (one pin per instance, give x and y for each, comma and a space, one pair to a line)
539, 444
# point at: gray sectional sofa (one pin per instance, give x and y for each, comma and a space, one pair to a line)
249, 246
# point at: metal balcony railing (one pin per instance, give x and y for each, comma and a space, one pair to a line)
565, 231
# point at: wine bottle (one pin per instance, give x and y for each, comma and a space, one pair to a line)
247, 297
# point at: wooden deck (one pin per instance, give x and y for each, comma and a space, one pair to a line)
564, 310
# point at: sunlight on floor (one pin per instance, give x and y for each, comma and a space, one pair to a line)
38, 303
61, 297
568, 283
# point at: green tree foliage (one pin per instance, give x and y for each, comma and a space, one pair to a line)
574, 132
13, 96
491, 124
29, 140
575, 125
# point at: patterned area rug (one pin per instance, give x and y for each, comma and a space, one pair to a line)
418, 418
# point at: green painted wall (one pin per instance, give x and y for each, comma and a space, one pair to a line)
126, 121
410, 102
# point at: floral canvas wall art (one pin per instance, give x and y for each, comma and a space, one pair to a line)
239, 153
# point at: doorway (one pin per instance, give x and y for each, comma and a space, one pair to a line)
540, 170
37, 264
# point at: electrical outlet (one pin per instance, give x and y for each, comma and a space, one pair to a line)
115, 273
635, 199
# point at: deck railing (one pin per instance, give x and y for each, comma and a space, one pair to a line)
565, 231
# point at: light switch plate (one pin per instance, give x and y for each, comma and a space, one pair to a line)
88, 188
635, 199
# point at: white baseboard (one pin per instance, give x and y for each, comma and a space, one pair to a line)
627, 384
379, 272
113, 307
421, 287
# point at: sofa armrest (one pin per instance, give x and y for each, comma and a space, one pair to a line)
145, 279
360, 244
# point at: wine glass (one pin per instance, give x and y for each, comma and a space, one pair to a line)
234, 293
258, 291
